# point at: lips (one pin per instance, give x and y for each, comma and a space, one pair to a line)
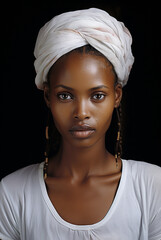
82, 131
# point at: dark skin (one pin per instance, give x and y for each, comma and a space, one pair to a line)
82, 178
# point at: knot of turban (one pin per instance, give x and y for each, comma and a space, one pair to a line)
70, 30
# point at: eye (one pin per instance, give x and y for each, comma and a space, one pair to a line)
64, 96
98, 96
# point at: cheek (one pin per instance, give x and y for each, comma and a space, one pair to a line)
104, 115
61, 116
104, 123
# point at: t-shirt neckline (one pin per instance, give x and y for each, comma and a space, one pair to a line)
83, 227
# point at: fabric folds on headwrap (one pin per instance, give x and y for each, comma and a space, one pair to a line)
71, 30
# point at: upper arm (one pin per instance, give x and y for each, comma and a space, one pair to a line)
8, 224
155, 227
155, 206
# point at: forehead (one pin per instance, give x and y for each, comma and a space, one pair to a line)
81, 70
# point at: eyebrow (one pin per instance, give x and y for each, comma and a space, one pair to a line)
69, 88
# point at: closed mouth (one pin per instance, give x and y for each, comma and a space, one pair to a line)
82, 131
84, 127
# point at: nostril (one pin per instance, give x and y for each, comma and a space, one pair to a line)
81, 116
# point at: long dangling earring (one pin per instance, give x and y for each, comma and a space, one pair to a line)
46, 153
118, 148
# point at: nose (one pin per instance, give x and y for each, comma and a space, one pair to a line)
81, 110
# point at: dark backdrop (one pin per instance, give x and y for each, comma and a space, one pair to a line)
24, 112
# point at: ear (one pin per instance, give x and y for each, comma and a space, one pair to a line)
118, 95
47, 94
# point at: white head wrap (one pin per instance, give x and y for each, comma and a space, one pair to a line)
71, 30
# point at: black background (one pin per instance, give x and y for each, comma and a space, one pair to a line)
23, 107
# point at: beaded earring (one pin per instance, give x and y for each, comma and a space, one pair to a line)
46, 154
118, 148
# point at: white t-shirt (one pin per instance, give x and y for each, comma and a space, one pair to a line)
27, 213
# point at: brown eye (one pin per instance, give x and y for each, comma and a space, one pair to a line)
64, 96
98, 96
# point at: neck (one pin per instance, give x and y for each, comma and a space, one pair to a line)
80, 163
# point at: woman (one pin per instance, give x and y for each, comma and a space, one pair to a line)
81, 191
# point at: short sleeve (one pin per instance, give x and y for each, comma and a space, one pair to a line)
155, 227
155, 206
8, 225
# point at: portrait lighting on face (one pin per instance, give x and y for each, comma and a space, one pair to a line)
72, 30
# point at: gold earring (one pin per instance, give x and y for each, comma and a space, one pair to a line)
118, 140
117, 154
46, 155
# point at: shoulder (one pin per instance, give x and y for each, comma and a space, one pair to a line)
16, 195
146, 181
18, 180
144, 171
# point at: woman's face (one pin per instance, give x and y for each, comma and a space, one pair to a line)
82, 96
